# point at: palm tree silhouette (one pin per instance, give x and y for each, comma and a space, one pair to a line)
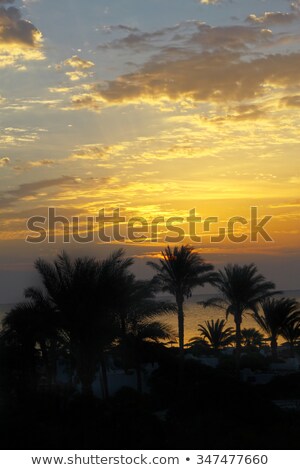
252, 338
81, 292
32, 324
278, 317
291, 333
137, 310
241, 288
180, 270
215, 334
143, 332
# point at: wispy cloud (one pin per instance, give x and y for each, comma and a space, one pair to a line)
272, 18
29, 190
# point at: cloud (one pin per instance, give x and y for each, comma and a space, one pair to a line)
91, 152
86, 101
80, 68
250, 112
194, 35
143, 41
4, 161
15, 136
28, 191
77, 63
209, 2
219, 77
229, 37
291, 101
118, 27
19, 39
273, 18
40, 163
76, 75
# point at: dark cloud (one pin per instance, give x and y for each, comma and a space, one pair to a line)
16, 31
291, 101
141, 41
30, 189
242, 113
209, 76
119, 27
230, 37
192, 35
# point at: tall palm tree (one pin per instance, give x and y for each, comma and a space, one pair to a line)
241, 288
82, 291
277, 316
179, 271
215, 334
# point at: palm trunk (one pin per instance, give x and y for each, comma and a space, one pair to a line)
46, 362
138, 366
238, 339
179, 301
292, 348
86, 388
274, 349
139, 382
104, 380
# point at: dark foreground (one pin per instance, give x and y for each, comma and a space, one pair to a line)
212, 410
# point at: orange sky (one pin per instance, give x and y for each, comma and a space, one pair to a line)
155, 108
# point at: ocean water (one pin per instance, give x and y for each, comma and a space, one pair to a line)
194, 314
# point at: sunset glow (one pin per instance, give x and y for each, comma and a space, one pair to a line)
155, 108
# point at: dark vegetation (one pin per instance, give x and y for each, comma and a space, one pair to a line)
91, 314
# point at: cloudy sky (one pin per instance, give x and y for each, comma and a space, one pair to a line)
156, 107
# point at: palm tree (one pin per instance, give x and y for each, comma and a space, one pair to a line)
143, 332
82, 292
137, 311
178, 272
276, 318
32, 324
291, 333
252, 338
215, 334
241, 288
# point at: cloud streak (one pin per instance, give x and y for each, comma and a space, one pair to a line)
271, 18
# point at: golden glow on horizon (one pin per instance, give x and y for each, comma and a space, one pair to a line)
207, 117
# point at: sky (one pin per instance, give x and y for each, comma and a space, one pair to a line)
156, 108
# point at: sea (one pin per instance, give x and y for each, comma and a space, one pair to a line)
195, 314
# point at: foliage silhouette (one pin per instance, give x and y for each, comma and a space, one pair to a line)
278, 317
241, 289
179, 271
215, 335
